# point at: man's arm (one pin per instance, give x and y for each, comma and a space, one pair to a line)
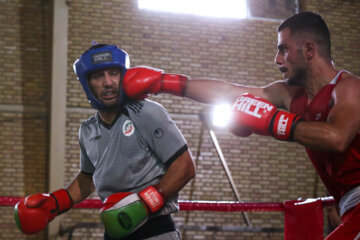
81, 187
180, 172
215, 91
343, 121
140, 81
137, 207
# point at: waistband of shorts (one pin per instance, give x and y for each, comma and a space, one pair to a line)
153, 227
349, 200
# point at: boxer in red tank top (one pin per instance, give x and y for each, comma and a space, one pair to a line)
338, 171
319, 108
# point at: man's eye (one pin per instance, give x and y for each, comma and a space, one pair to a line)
114, 72
96, 75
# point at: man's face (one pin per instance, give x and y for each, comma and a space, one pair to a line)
290, 58
105, 85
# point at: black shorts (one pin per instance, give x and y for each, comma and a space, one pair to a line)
153, 227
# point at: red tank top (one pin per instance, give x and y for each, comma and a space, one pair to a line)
340, 172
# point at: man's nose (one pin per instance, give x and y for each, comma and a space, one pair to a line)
108, 81
278, 59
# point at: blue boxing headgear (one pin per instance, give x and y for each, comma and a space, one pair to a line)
100, 56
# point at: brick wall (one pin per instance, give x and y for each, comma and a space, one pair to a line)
24, 98
240, 51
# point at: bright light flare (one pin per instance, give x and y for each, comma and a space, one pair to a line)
211, 8
221, 115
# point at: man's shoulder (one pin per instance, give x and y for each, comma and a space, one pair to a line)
143, 107
89, 121
349, 78
348, 86
88, 128
283, 85
280, 93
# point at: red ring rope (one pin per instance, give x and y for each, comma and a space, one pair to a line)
222, 206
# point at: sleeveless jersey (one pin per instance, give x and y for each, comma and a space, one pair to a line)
340, 172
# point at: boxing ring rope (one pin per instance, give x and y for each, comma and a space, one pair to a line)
228, 206
218, 206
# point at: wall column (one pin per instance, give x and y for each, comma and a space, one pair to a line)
58, 103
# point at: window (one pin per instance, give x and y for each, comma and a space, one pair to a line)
272, 9
211, 8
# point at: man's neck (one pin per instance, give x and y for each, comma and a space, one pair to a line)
318, 76
109, 116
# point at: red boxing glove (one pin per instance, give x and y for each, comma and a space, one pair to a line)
140, 81
262, 117
239, 130
34, 212
152, 198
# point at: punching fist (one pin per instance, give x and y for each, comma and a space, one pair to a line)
140, 81
34, 212
124, 213
262, 117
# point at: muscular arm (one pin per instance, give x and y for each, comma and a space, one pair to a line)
180, 172
141, 81
213, 91
81, 187
343, 121
216, 91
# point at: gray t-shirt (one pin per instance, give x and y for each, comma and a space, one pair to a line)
134, 152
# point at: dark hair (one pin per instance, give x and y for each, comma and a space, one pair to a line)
309, 22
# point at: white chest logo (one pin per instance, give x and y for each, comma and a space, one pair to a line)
128, 128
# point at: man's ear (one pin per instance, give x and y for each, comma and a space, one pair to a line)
309, 50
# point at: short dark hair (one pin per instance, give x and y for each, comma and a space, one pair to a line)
313, 23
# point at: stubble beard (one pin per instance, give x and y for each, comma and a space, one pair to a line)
298, 78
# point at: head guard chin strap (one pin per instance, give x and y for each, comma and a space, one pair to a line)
97, 58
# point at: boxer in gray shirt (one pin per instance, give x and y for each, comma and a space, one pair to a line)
132, 153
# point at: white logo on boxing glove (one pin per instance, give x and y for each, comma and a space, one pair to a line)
251, 106
281, 129
152, 198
